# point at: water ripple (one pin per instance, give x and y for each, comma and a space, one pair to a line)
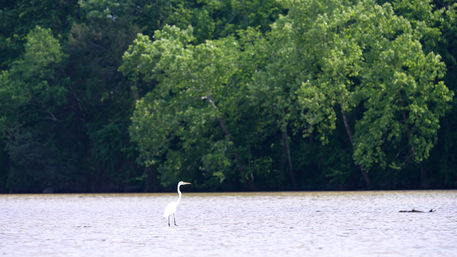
231, 224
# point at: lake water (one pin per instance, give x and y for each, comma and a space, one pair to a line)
231, 224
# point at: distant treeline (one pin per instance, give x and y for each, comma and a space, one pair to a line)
135, 95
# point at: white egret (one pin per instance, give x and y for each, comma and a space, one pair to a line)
171, 206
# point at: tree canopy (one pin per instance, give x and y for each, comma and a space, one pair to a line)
102, 96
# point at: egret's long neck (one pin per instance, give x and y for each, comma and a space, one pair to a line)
179, 197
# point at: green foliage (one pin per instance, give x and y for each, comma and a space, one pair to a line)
18, 18
171, 122
32, 79
32, 94
102, 98
109, 95
363, 54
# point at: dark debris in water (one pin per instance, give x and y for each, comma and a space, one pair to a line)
417, 211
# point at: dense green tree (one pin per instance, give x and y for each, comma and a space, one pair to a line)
231, 94
210, 19
173, 125
17, 18
339, 56
101, 99
436, 20
355, 62
32, 95
443, 156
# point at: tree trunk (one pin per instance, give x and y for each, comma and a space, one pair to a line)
351, 139
285, 139
227, 133
229, 137
149, 171
424, 177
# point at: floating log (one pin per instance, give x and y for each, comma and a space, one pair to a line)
414, 210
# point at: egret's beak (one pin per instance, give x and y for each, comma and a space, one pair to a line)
187, 183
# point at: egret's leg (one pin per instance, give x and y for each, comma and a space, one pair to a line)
174, 218
168, 220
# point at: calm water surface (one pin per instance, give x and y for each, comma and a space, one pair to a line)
231, 224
